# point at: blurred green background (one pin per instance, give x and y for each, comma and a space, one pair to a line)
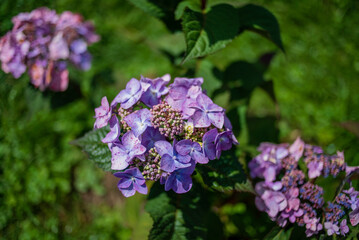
49, 190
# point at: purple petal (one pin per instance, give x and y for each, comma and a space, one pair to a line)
128, 192
167, 163
354, 217
141, 188
200, 158
125, 183
164, 147
137, 150
200, 119
183, 147
115, 130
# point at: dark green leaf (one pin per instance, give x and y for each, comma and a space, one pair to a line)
97, 151
180, 216
278, 233
208, 32
194, 5
225, 174
353, 233
162, 9
260, 20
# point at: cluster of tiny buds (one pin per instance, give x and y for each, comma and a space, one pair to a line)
196, 134
313, 193
292, 178
168, 120
308, 211
334, 212
289, 163
123, 113
151, 168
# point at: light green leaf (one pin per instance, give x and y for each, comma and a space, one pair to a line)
278, 233
97, 151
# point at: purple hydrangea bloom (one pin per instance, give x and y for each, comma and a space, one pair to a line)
297, 148
187, 82
157, 89
344, 229
131, 181
180, 181
315, 168
331, 228
208, 144
354, 217
102, 114
207, 112
115, 131
312, 225
139, 121
170, 158
130, 96
223, 142
129, 148
194, 149
150, 136
270, 200
44, 42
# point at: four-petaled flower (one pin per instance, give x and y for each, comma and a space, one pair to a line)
170, 158
207, 112
124, 152
139, 121
157, 89
209, 147
133, 92
115, 131
131, 181
187, 147
180, 181
331, 228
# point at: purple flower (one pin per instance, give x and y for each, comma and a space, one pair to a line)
209, 147
331, 228
58, 47
314, 169
187, 82
102, 114
170, 158
223, 142
270, 200
150, 136
123, 153
297, 148
180, 181
207, 113
130, 96
354, 217
187, 147
115, 131
312, 225
344, 229
157, 89
139, 121
130, 182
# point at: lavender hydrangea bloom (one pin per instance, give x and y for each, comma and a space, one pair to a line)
123, 153
133, 92
297, 148
344, 229
139, 121
223, 142
180, 181
207, 112
331, 228
150, 136
157, 89
171, 159
187, 82
131, 181
102, 114
314, 169
208, 144
354, 217
44, 42
187, 147
270, 200
115, 131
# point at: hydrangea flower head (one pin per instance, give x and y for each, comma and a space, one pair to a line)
290, 195
44, 43
162, 130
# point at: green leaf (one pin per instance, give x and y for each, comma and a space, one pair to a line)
97, 151
194, 5
278, 233
258, 19
211, 74
207, 32
181, 216
162, 9
353, 233
225, 174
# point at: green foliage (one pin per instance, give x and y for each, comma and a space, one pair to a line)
97, 151
181, 216
225, 174
278, 233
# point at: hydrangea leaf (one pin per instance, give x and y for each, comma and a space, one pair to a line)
162, 9
182, 216
353, 233
225, 174
207, 32
258, 19
96, 151
278, 233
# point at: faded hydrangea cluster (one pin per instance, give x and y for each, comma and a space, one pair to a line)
43, 42
289, 194
160, 131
